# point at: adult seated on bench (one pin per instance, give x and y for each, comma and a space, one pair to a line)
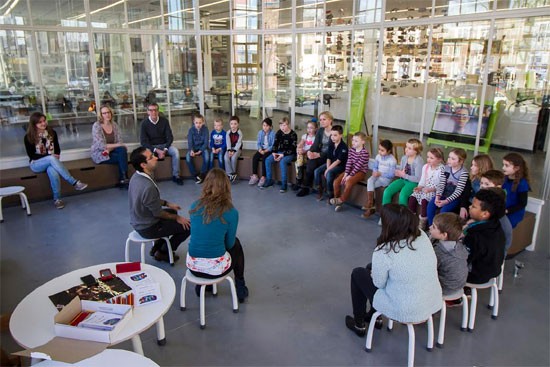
107, 146
43, 150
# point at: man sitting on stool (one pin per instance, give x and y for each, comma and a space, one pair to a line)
147, 216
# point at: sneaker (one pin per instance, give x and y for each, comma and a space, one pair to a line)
338, 208
232, 177
303, 192
198, 179
59, 204
268, 183
80, 185
380, 222
335, 201
296, 187
261, 182
163, 256
283, 189
253, 180
359, 330
178, 180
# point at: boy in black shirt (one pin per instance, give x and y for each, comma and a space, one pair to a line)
337, 156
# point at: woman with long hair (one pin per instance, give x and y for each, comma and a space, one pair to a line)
401, 282
214, 249
107, 146
43, 150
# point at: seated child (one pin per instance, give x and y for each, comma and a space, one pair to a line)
484, 237
197, 144
493, 180
217, 143
284, 152
481, 163
234, 143
408, 174
264, 145
355, 171
383, 168
301, 153
516, 185
452, 257
451, 184
425, 191
337, 157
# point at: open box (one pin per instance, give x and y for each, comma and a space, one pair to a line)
70, 311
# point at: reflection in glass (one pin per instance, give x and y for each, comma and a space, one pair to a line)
65, 13
308, 73
278, 73
277, 14
310, 13
214, 14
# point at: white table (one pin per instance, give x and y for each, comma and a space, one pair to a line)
32, 322
109, 357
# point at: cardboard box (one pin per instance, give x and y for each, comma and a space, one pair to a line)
70, 311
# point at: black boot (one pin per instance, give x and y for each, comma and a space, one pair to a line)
359, 328
242, 290
209, 288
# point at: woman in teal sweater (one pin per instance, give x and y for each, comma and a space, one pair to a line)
214, 249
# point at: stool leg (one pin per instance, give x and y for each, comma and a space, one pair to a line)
233, 294
170, 252
127, 251
182, 293
202, 312
27, 206
430, 345
1, 216
214, 289
161, 336
442, 319
368, 344
390, 324
136, 343
494, 290
410, 361
473, 307
464, 325
142, 252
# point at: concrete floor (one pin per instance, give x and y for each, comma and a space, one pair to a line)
299, 256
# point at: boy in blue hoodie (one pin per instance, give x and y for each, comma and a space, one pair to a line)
197, 145
217, 143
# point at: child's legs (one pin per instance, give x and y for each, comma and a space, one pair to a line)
331, 176
227, 163
449, 208
352, 180
283, 165
190, 165
431, 211
221, 160
424, 208
391, 190
212, 155
205, 160
337, 183
255, 160
406, 191
268, 161
235, 161
300, 160
370, 183
413, 204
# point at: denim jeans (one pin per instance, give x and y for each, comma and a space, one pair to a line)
432, 209
331, 176
220, 159
283, 163
54, 168
205, 162
119, 156
175, 154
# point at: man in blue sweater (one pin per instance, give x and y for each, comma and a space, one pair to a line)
156, 135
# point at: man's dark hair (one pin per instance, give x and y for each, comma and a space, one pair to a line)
491, 201
137, 158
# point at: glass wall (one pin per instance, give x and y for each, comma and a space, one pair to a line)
428, 59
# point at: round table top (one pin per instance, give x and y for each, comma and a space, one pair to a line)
32, 321
109, 357
11, 190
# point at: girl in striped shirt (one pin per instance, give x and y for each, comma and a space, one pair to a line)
451, 184
356, 169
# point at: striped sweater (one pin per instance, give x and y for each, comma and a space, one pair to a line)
358, 161
451, 184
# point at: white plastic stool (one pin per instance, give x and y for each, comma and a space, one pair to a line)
203, 282
14, 190
135, 237
442, 318
410, 328
500, 278
493, 302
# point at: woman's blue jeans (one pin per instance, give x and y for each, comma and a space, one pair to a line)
119, 156
54, 168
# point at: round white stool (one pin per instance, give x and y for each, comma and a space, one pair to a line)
135, 237
14, 190
493, 300
442, 318
203, 282
410, 328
